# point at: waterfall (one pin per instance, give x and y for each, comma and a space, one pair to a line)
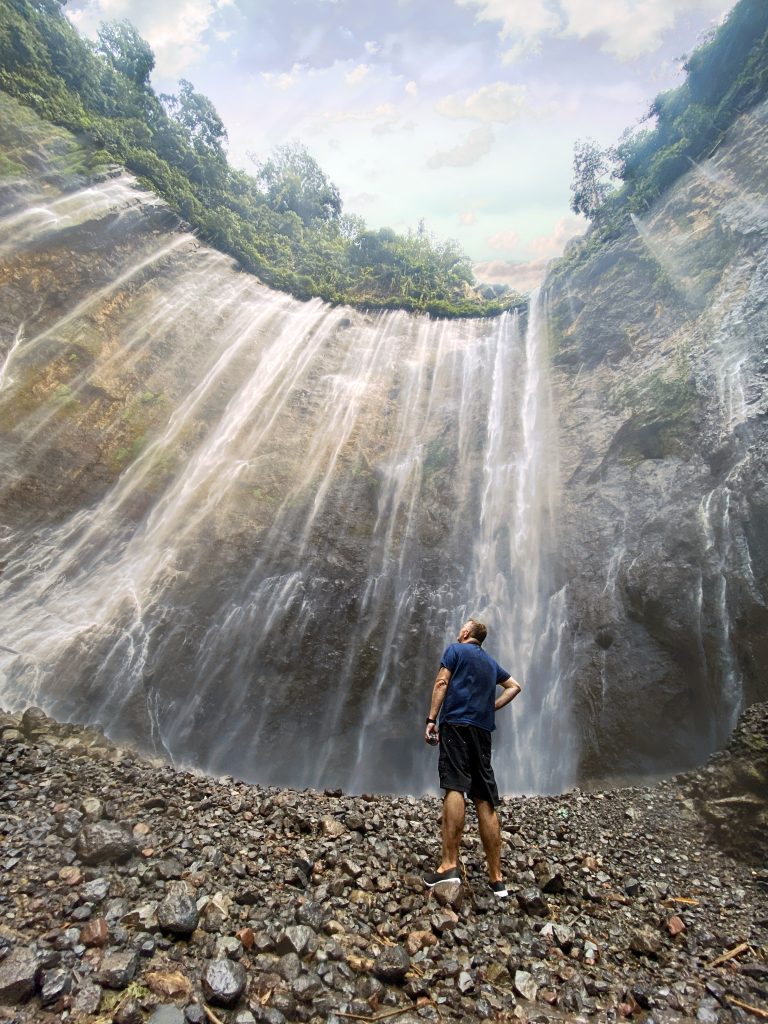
239, 529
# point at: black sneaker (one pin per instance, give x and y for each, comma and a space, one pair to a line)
451, 875
499, 890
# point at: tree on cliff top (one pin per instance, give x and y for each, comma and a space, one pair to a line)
126, 51
592, 171
292, 180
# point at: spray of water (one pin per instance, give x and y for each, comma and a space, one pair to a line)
266, 587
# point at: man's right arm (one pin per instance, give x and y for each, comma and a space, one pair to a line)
438, 696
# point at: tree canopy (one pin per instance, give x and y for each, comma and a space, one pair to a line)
726, 75
285, 223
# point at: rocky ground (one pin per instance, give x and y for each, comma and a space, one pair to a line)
136, 892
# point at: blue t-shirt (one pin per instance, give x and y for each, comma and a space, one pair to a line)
471, 693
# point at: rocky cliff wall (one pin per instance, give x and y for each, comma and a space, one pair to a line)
658, 341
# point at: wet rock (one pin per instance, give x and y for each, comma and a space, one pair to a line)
224, 982
532, 902
392, 964
17, 975
102, 842
177, 913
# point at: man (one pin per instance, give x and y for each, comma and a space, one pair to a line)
465, 690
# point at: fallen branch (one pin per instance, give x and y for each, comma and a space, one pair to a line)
763, 1014
736, 951
682, 899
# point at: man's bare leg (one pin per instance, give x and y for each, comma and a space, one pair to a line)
453, 828
490, 834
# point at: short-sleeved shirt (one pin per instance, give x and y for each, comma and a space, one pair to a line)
471, 693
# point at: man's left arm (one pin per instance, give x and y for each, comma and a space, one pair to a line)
511, 688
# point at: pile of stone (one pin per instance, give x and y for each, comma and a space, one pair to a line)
133, 892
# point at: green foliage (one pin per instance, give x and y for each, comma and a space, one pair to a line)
726, 75
293, 181
126, 51
590, 187
285, 224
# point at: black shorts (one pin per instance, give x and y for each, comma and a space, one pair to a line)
465, 762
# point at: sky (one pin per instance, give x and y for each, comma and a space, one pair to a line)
462, 113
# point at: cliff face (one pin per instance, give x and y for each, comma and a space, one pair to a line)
237, 528
659, 368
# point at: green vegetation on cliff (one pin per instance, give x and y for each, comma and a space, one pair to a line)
726, 75
285, 224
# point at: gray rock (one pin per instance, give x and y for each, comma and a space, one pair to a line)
645, 941
102, 842
525, 985
299, 939
17, 975
177, 912
532, 902
54, 984
128, 1012
167, 1015
118, 969
392, 964
87, 1000
289, 967
307, 987
224, 982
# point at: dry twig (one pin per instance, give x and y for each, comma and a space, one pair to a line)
210, 1014
736, 951
762, 1014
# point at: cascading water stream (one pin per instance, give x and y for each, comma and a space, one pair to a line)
314, 500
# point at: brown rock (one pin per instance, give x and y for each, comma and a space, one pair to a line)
449, 894
247, 937
71, 875
95, 932
419, 940
168, 984
332, 827
675, 925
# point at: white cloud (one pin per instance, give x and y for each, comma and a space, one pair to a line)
361, 200
500, 102
411, 89
286, 80
467, 217
371, 46
504, 240
627, 28
175, 29
521, 277
382, 111
475, 146
553, 244
357, 74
